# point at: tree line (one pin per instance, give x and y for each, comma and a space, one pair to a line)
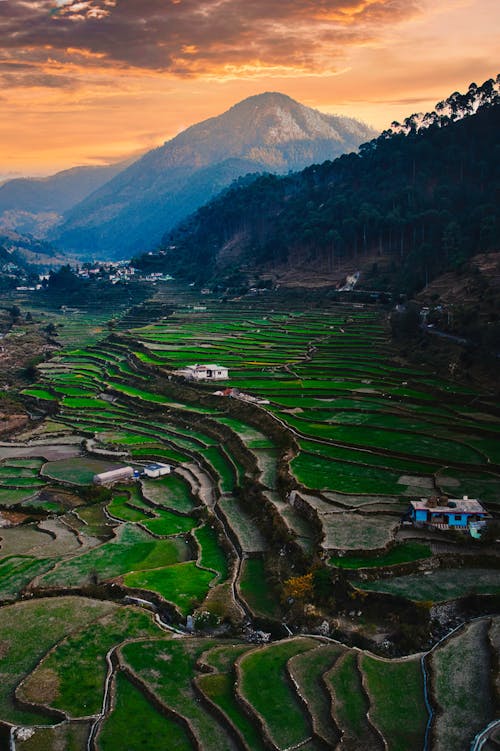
423, 194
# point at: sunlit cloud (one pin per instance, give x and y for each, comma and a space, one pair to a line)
199, 38
81, 78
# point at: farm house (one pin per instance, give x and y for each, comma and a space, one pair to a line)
157, 470
204, 372
114, 475
452, 513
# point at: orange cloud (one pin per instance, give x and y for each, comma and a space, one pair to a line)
80, 78
196, 37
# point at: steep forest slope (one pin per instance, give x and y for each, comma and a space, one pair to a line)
418, 200
268, 132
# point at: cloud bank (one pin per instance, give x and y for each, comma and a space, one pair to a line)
188, 38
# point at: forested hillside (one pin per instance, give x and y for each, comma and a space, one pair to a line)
416, 201
264, 133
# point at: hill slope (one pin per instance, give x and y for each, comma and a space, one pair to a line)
416, 201
33, 204
268, 132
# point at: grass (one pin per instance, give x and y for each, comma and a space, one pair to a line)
10, 497
353, 531
170, 491
17, 571
255, 589
243, 525
40, 394
222, 467
459, 668
212, 554
120, 508
183, 584
349, 701
134, 718
307, 669
219, 689
168, 667
133, 550
396, 690
167, 523
27, 631
264, 685
77, 667
439, 586
70, 737
403, 553
77, 471
326, 474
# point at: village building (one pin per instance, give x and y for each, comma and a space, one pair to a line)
199, 372
114, 475
447, 513
157, 470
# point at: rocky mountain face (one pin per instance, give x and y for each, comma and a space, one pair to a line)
264, 133
35, 204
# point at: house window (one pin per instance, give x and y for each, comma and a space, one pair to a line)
458, 517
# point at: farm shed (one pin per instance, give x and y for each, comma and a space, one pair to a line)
452, 513
114, 475
199, 372
157, 470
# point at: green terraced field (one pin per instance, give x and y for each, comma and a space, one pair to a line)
133, 550
134, 718
359, 433
183, 584
441, 585
263, 683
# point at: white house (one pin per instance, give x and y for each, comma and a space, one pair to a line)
205, 372
157, 470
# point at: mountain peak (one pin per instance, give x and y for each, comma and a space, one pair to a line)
268, 132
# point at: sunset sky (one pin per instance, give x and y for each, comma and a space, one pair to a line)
92, 81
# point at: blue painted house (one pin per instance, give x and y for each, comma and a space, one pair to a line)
447, 513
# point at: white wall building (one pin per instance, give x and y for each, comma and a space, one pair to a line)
205, 372
157, 470
114, 475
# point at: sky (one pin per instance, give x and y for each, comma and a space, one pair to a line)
96, 81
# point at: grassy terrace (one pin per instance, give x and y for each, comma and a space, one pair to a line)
370, 434
183, 584
263, 683
134, 718
78, 666
254, 589
132, 550
404, 553
349, 702
464, 697
167, 668
307, 670
440, 585
27, 631
396, 691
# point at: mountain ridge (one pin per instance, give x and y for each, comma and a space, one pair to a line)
267, 132
34, 204
417, 201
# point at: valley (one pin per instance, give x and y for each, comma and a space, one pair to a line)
268, 592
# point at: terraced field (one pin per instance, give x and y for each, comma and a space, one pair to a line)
229, 694
283, 510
